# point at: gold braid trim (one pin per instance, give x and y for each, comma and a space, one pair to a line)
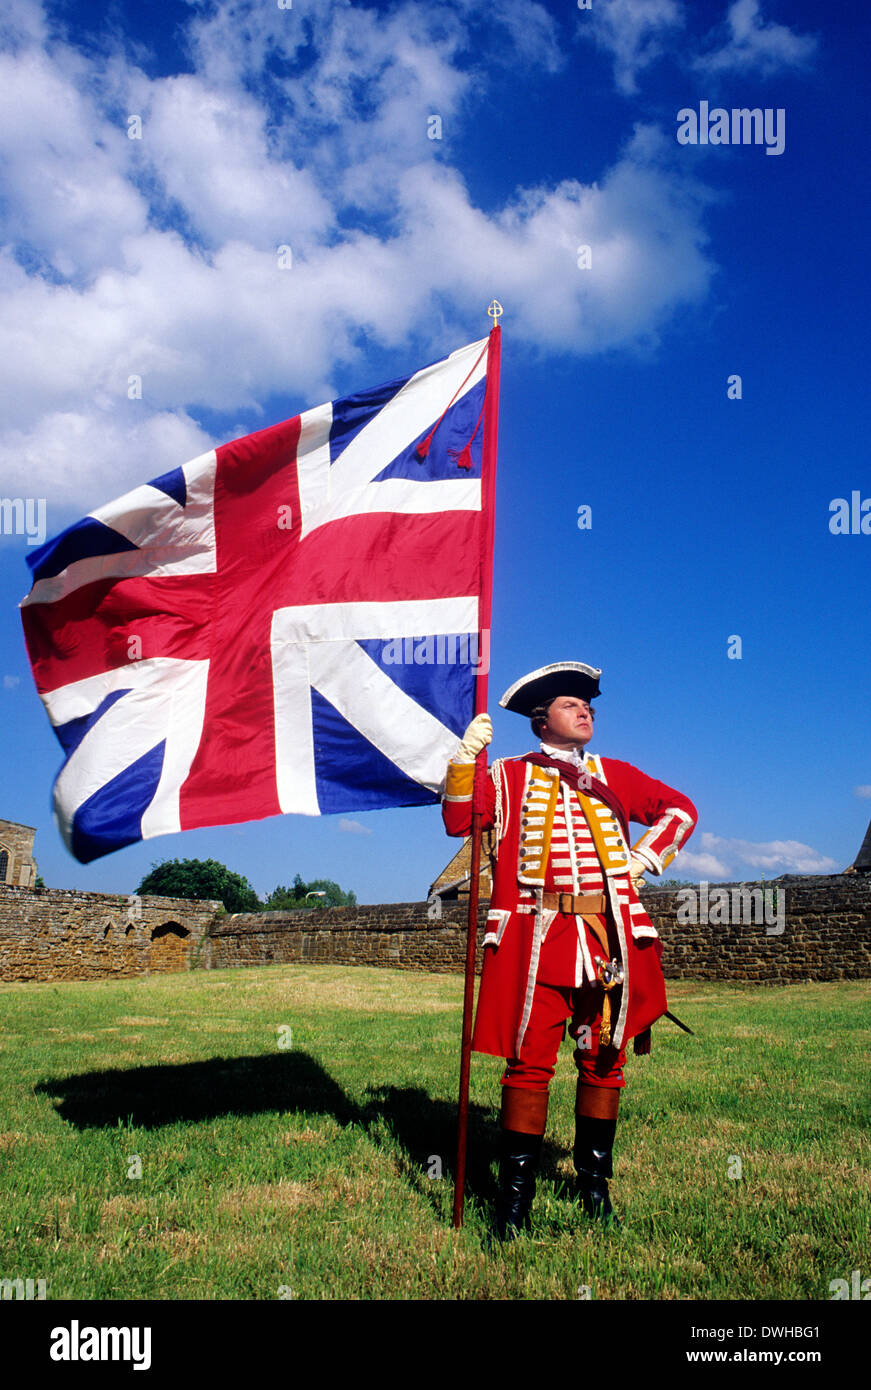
539, 806
607, 836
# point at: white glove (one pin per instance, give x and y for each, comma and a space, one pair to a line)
637, 871
476, 737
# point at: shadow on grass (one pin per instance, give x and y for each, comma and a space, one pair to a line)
149, 1097
426, 1129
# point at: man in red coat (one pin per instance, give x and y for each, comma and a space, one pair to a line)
567, 937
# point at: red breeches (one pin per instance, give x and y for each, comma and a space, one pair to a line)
552, 1005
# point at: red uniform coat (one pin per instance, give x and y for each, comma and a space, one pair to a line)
515, 928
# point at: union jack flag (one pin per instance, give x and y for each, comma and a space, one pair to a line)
231, 640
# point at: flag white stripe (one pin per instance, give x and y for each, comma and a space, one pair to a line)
417, 405
412, 738
166, 702
132, 727
294, 736
331, 622
322, 639
187, 536
400, 495
313, 458
183, 731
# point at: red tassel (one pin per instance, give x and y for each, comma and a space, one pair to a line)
422, 449
641, 1044
464, 457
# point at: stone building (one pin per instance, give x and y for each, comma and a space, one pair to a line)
454, 880
862, 862
17, 864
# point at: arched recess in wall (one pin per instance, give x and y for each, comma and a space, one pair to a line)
169, 929
4, 864
169, 949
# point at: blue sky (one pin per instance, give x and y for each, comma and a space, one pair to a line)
308, 126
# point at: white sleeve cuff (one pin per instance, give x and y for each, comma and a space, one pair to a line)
652, 862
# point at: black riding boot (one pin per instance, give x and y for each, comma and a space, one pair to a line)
594, 1141
518, 1166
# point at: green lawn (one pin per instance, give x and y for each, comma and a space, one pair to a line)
287, 1120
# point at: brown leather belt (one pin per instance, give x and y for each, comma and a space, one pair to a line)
574, 904
586, 905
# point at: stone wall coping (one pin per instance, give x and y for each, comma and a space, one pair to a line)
384, 917
409, 916
122, 899
860, 882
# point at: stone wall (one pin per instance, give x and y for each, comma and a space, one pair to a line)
52, 934
49, 934
400, 935
826, 935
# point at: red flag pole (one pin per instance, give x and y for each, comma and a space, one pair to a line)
488, 495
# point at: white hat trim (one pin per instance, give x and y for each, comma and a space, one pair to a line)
555, 666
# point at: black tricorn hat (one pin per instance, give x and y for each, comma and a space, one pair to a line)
562, 678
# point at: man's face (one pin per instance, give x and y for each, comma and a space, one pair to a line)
569, 723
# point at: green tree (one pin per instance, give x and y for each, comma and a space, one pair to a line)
281, 899
334, 896
329, 894
200, 878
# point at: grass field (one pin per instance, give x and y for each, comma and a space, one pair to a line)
290, 1123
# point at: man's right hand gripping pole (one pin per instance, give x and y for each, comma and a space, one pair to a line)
476, 737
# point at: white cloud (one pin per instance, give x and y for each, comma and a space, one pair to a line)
642, 227
636, 33
366, 97
10, 682
705, 866
751, 45
209, 151
65, 188
864, 791
532, 31
633, 31
120, 451
354, 827
159, 258
723, 858
773, 856
21, 22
